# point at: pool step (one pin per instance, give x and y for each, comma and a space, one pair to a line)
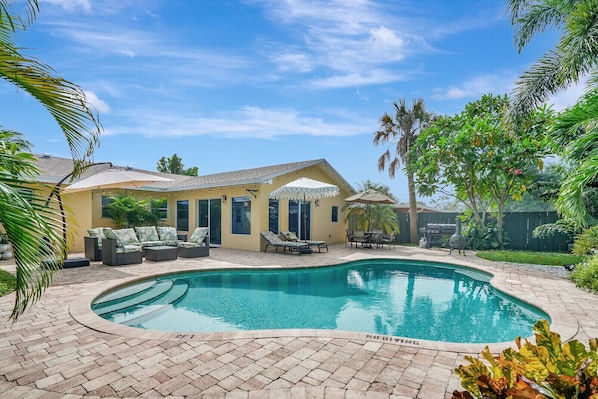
178, 290
122, 293
156, 290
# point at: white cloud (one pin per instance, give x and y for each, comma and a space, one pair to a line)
299, 62
99, 104
246, 122
500, 83
71, 5
568, 97
350, 38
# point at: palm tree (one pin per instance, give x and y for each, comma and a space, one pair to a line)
402, 130
31, 226
574, 57
374, 217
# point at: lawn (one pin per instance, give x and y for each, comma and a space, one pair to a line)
533, 258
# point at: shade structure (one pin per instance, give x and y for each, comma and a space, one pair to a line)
115, 178
305, 189
370, 197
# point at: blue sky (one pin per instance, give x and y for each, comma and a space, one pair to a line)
235, 84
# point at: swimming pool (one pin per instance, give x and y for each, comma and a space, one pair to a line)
420, 300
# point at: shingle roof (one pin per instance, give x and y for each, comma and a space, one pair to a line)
53, 169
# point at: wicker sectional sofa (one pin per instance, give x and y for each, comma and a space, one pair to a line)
127, 246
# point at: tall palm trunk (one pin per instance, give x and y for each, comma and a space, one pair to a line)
412, 209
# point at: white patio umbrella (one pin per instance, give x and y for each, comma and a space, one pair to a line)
305, 189
115, 178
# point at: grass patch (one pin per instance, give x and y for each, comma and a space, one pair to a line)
8, 282
532, 258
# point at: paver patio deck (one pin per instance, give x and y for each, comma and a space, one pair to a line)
59, 348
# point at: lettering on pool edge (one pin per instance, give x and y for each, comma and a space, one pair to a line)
389, 338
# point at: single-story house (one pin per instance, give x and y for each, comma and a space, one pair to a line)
234, 205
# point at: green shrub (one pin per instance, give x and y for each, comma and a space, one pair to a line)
586, 242
483, 238
548, 369
585, 274
8, 282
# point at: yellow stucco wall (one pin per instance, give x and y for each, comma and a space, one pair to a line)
85, 210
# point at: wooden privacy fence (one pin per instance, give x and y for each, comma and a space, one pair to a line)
518, 226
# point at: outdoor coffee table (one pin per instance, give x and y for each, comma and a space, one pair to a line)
160, 253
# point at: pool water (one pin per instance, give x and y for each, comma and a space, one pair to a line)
419, 300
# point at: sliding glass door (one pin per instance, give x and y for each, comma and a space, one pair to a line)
300, 219
209, 214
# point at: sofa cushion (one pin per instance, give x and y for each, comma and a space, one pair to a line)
191, 244
154, 243
111, 234
97, 232
167, 233
128, 236
199, 234
147, 233
128, 249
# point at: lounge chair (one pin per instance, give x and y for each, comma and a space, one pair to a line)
290, 236
274, 241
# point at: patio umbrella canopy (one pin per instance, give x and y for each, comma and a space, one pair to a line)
305, 189
370, 197
115, 178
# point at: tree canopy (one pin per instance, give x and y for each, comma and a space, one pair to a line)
478, 158
175, 165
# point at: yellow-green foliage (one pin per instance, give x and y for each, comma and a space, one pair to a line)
586, 274
586, 242
548, 369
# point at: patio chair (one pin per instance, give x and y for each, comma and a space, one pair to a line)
290, 236
93, 243
388, 239
274, 241
356, 236
198, 245
117, 253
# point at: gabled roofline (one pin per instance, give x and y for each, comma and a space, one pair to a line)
57, 167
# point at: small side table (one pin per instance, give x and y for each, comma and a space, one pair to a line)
160, 253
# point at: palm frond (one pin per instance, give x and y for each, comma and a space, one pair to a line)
570, 202
536, 18
32, 227
65, 101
